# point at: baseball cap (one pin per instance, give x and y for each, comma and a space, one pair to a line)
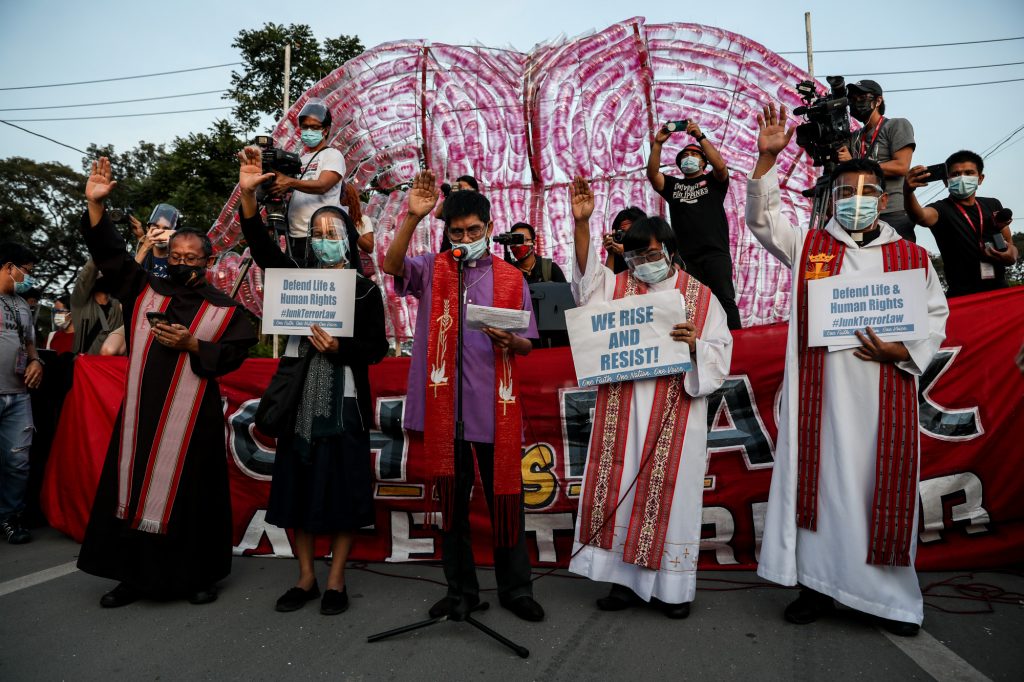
868, 86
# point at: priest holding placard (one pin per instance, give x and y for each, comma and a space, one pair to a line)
640, 513
868, 315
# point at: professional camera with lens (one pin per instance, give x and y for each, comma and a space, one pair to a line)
828, 122
619, 236
276, 160
119, 216
510, 238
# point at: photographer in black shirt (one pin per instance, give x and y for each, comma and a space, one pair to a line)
972, 232
696, 205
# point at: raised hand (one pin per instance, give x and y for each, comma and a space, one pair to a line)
582, 199
101, 181
422, 195
661, 137
773, 137
250, 169
693, 130
917, 177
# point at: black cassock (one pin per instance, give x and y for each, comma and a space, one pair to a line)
194, 551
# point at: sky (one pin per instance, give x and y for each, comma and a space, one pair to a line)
45, 42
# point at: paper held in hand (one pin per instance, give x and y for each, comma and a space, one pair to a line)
893, 304
294, 299
628, 338
480, 316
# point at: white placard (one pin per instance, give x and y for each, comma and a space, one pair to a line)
893, 304
628, 338
295, 298
480, 316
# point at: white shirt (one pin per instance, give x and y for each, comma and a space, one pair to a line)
302, 205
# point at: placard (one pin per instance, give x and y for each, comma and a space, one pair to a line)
628, 338
893, 304
294, 299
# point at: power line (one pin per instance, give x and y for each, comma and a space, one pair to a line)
958, 85
120, 101
90, 118
906, 47
951, 68
122, 78
45, 137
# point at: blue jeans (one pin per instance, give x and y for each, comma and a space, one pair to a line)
15, 441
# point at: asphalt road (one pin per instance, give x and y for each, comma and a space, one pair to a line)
52, 628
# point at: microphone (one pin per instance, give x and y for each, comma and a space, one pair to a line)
459, 252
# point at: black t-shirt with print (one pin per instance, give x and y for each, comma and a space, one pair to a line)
962, 248
697, 210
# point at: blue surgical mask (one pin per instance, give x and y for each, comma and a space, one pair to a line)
857, 213
963, 186
475, 250
652, 273
25, 284
690, 164
330, 251
312, 138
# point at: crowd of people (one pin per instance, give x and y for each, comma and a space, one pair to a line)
160, 525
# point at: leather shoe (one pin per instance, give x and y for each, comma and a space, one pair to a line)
900, 628
122, 595
808, 607
620, 597
334, 602
523, 606
296, 597
203, 596
674, 611
447, 604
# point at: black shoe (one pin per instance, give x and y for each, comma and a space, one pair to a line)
674, 611
203, 596
334, 602
900, 628
296, 597
122, 595
15, 533
808, 607
620, 597
445, 605
524, 606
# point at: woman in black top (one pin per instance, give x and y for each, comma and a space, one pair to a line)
322, 482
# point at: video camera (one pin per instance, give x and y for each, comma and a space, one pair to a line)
276, 160
509, 238
828, 123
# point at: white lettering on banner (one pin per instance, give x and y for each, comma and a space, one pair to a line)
280, 546
893, 304
722, 521
544, 526
404, 547
935, 490
295, 299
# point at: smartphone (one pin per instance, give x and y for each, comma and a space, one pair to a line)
677, 126
155, 317
936, 172
998, 242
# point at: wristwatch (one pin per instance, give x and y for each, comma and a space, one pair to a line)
37, 359
702, 137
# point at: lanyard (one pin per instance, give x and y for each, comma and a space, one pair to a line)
864, 145
981, 219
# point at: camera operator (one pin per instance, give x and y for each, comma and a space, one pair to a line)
697, 207
967, 228
624, 220
889, 141
151, 252
536, 270
320, 182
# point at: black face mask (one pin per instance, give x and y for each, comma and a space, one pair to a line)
862, 110
187, 275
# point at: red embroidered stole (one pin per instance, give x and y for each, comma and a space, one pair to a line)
439, 423
173, 434
897, 446
662, 449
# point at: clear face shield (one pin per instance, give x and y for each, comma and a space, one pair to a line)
328, 237
649, 265
856, 207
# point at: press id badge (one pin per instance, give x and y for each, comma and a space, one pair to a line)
988, 271
21, 361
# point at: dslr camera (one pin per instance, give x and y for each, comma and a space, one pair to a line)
120, 216
509, 238
828, 122
276, 160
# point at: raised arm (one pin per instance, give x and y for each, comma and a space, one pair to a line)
264, 251
718, 167
922, 215
582, 208
654, 173
764, 216
421, 199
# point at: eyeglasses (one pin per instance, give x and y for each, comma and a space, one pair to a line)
178, 259
638, 257
847, 191
474, 232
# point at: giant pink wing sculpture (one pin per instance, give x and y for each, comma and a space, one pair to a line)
525, 124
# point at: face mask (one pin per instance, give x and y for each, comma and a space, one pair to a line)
655, 272
25, 284
61, 320
862, 110
475, 250
521, 252
330, 251
187, 275
963, 186
312, 138
690, 164
857, 214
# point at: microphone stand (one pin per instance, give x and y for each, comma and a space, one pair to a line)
460, 612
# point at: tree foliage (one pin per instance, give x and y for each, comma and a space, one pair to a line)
258, 90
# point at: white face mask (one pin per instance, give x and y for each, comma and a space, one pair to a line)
61, 319
475, 250
690, 165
